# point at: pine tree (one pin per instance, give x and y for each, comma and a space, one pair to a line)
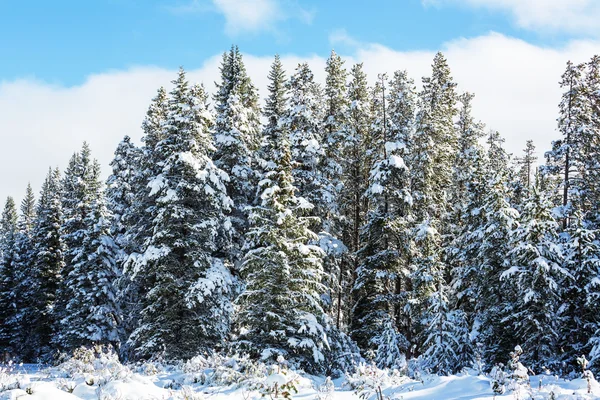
464, 217
590, 153
579, 312
276, 105
381, 275
237, 139
498, 157
527, 163
120, 189
92, 315
337, 261
186, 286
440, 333
565, 158
47, 270
138, 217
24, 250
303, 122
433, 150
77, 195
8, 273
435, 142
533, 280
490, 242
280, 312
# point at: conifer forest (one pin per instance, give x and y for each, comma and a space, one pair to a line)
327, 225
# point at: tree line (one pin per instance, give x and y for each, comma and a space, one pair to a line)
337, 222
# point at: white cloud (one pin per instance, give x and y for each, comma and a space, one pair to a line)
573, 16
516, 87
248, 16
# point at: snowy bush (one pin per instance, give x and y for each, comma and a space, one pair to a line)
518, 374
498, 379
325, 390
369, 380
97, 365
9, 379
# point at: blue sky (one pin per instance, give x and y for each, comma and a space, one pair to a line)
85, 70
64, 41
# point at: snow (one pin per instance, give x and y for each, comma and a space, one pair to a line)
169, 383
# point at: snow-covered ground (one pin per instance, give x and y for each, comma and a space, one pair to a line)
108, 380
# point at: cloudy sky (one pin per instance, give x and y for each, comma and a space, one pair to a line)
74, 71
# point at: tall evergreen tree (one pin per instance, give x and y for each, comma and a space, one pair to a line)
579, 312
303, 122
186, 285
47, 269
336, 110
237, 139
434, 147
533, 280
381, 276
24, 251
92, 315
138, 217
8, 272
565, 158
280, 312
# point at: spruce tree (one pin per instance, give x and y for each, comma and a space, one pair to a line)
237, 139
186, 285
92, 315
381, 276
565, 158
24, 250
433, 150
137, 219
47, 270
533, 280
280, 312
8, 273
579, 312
488, 245
303, 122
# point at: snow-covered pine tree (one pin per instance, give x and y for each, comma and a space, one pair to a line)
336, 264
138, 216
464, 217
92, 314
280, 312
492, 225
186, 286
24, 250
498, 157
76, 200
276, 105
532, 281
303, 122
466, 201
336, 111
237, 140
46, 271
591, 145
527, 163
440, 330
8, 273
565, 160
381, 278
579, 310
354, 163
435, 143
433, 151
120, 189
